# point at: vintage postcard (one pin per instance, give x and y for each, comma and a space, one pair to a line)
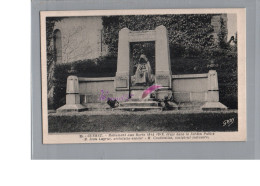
166, 75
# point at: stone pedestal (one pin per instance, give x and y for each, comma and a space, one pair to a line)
72, 96
212, 99
137, 94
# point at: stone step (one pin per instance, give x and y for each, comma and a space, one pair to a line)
137, 99
190, 106
139, 108
139, 103
143, 105
190, 103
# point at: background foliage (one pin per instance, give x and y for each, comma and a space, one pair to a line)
189, 34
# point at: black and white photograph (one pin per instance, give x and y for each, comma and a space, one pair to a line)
131, 92
143, 75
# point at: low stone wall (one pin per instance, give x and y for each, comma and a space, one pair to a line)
90, 89
190, 87
186, 88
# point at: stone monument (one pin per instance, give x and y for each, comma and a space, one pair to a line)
162, 62
143, 77
72, 97
190, 91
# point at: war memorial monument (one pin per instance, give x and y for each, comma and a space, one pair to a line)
178, 92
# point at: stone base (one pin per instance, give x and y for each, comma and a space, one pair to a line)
139, 108
72, 99
71, 108
139, 105
190, 105
213, 106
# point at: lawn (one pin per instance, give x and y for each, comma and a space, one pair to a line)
121, 121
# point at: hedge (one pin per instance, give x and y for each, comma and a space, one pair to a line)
189, 34
106, 67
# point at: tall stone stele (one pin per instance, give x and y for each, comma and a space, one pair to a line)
163, 73
122, 78
72, 97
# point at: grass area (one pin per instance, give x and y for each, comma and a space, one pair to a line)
121, 121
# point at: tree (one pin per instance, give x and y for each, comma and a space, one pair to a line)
50, 23
74, 46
